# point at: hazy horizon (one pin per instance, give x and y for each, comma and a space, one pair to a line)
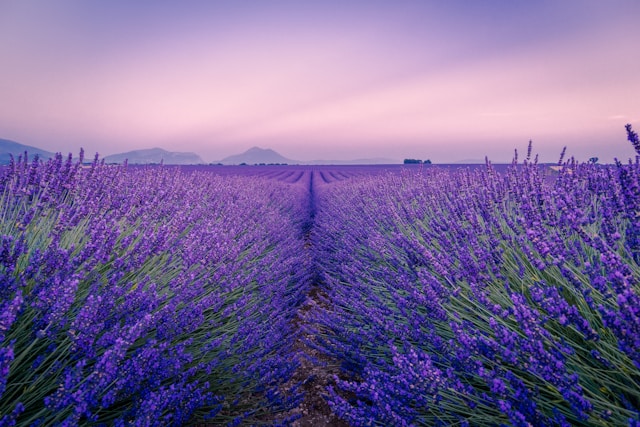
444, 81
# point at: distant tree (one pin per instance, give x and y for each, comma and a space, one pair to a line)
593, 160
427, 162
412, 161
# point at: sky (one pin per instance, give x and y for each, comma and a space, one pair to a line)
445, 80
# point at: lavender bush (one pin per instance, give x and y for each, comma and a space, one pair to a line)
478, 298
146, 296
168, 296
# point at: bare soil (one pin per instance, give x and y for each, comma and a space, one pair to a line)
315, 373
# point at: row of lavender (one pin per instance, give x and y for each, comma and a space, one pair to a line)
146, 295
473, 297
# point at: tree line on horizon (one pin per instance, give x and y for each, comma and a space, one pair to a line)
416, 161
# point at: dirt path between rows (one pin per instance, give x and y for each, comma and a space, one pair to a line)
316, 370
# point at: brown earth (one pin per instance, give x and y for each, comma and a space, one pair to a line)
315, 373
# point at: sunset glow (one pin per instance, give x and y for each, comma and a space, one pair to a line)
441, 80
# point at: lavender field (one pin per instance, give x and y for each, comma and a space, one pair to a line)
445, 295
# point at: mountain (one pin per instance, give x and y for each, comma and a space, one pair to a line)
256, 155
8, 147
155, 155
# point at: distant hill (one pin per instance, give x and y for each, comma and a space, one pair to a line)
256, 155
8, 147
155, 155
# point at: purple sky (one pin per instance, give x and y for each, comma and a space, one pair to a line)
446, 80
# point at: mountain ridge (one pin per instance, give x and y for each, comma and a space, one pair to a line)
9, 148
254, 155
257, 155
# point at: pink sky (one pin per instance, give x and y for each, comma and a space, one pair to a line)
331, 80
